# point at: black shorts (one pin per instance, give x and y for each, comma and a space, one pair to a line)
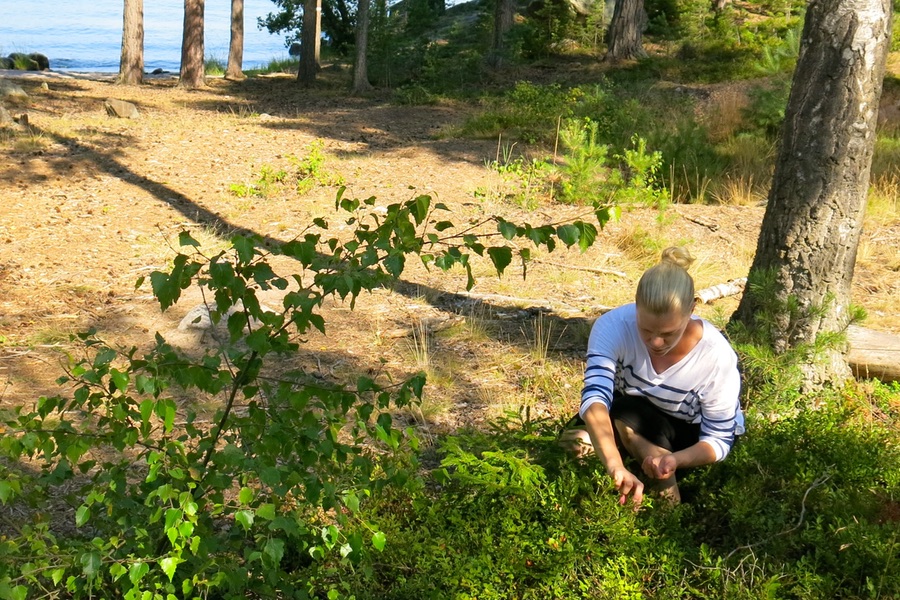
652, 424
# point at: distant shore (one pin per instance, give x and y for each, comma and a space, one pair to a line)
92, 75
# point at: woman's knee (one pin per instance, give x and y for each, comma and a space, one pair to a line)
576, 441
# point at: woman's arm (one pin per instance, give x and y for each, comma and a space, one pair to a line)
600, 429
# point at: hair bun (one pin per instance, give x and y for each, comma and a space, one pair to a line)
677, 255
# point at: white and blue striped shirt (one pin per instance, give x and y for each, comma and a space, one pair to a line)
703, 387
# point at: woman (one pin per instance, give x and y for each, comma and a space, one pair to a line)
661, 381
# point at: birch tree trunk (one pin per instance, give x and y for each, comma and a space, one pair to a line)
131, 63
811, 228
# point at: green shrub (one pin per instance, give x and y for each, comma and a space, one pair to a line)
225, 473
768, 103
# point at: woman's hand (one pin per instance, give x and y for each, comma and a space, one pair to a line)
660, 467
627, 485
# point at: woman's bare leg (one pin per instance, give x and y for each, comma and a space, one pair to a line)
640, 448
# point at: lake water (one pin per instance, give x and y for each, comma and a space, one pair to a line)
87, 36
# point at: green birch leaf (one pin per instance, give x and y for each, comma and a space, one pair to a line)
169, 565
507, 229
568, 234
119, 379
82, 515
501, 256
588, 233
116, 570
185, 239
137, 571
90, 564
274, 549
379, 540
245, 518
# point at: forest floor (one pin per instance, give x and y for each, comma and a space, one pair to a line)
90, 203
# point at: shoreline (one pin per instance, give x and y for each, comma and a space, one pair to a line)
89, 75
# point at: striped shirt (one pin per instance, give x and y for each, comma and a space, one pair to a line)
703, 387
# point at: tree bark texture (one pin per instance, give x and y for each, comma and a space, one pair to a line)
360, 69
193, 72
131, 63
624, 36
235, 68
310, 42
811, 228
504, 15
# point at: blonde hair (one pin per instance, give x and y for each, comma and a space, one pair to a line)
667, 286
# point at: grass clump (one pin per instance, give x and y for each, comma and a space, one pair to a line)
214, 66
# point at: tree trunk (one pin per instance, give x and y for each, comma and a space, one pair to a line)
131, 64
360, 71
193, 74
504, 13
625, 32
235, 67
310, 42
811, 228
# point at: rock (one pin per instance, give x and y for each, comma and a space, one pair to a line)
199, 317
23, 62
121, 109
158, 71
45, 87
42, 61
5, 117
294, 50
11, 90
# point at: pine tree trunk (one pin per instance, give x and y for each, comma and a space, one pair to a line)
625, 33
504, 14
811, 228
131, 64
193, 74
360, 70
310, 42
235, 71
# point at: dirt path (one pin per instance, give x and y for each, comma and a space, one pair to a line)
90, 203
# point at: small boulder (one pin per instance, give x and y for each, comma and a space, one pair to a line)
5, 117
121, 109
43, 63
158, 71
23, 62
10, 90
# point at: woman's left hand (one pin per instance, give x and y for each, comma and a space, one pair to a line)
660, 467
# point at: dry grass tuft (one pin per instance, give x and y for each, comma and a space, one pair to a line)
739, 191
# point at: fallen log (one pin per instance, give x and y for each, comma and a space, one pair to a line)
873, 354
729, 288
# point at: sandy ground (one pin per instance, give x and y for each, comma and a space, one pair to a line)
91, 203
